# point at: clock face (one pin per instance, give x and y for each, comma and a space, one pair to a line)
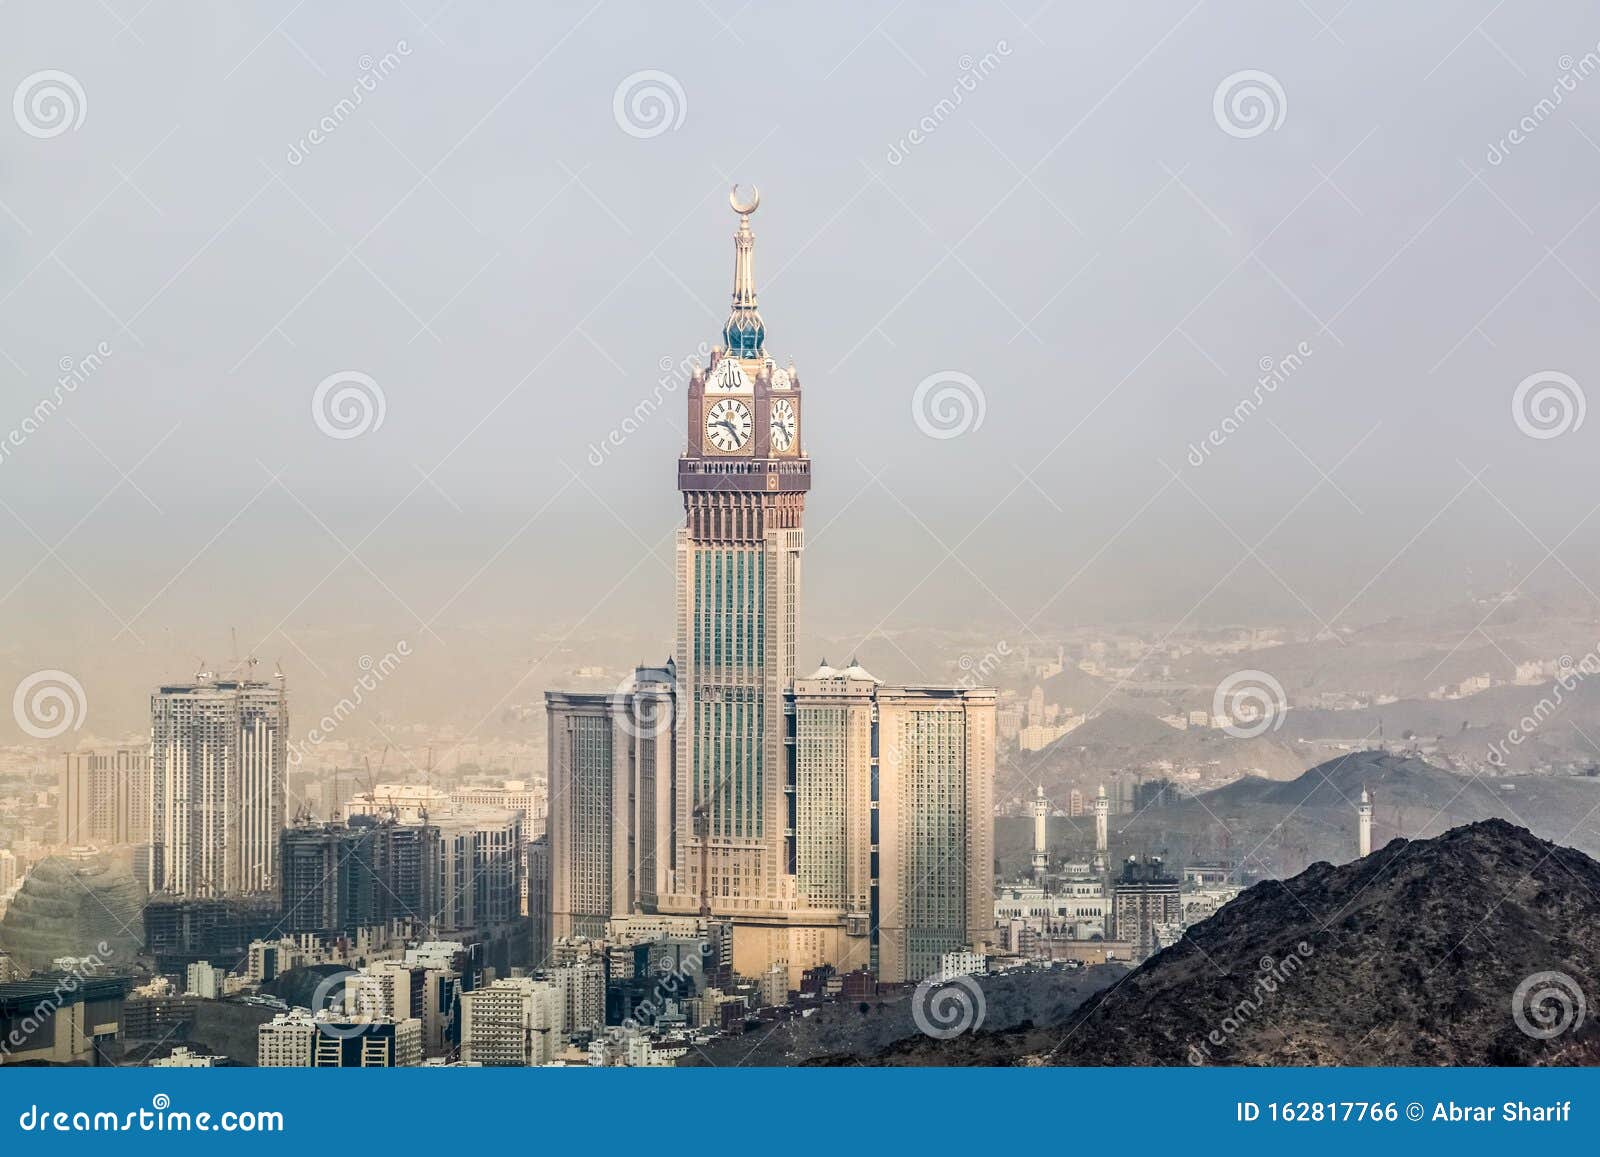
728, 377
728, 424
784, 425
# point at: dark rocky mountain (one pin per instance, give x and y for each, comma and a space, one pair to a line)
1478, 947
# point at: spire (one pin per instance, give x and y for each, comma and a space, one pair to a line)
745, 332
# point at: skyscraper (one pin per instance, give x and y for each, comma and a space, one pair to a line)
217, 760
744, 477
610, 813
720, 786
935, 826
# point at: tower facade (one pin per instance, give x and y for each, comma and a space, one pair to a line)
218, 754
1364, 824
744, 477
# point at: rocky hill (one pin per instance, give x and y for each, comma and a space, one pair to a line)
861, 1028
1478, 947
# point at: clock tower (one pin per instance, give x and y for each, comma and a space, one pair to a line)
744, 476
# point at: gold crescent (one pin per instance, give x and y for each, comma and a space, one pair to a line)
746, 209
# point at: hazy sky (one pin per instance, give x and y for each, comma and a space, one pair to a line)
508, 246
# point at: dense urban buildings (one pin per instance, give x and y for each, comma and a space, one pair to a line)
217, 763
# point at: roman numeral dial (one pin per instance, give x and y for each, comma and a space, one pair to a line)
785, 426
728, 425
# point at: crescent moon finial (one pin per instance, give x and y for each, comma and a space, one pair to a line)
750, 206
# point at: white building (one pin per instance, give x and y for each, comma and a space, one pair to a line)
218, 753
515, 1021
284, 1042
183, 1058
964, 962
204, 980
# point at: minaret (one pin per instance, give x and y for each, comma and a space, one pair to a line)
1041, 813
744, 476
1364, 823
1102, 812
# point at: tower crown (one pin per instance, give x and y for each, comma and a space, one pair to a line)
745, 333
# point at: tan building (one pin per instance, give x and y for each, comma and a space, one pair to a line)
512, 1022
104, 798
935, 826
611, 781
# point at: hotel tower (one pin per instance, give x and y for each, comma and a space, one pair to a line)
723, 787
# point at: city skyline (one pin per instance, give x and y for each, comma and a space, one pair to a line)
1100, 578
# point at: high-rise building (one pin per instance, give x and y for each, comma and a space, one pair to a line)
744, 476
935, 826
757, 803
478, 877
539, 897
104, 798
337, 878
610, 821
217, 762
